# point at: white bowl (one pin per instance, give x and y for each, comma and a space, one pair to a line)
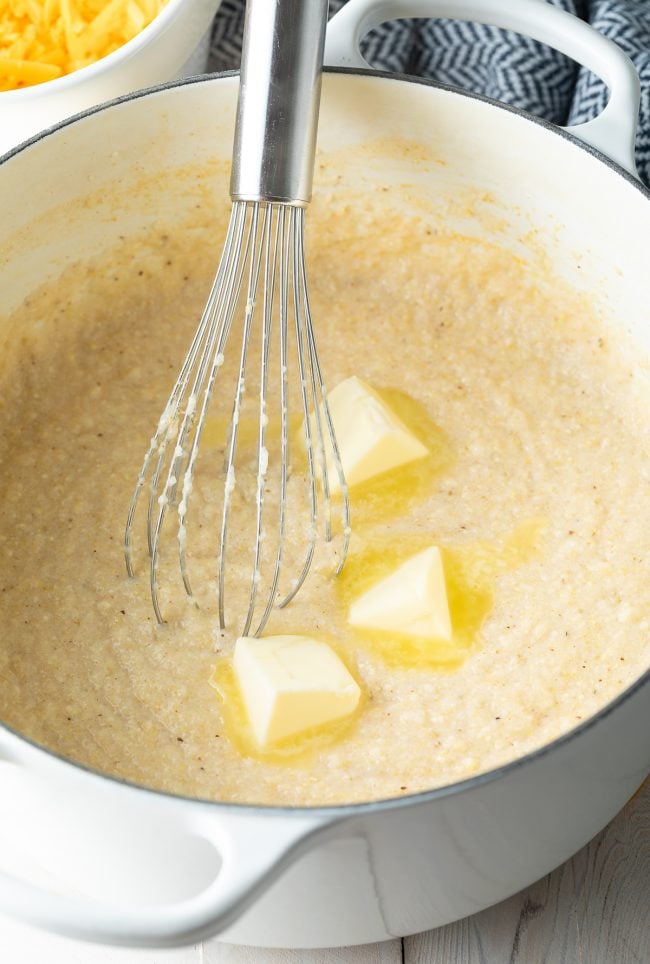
175, 44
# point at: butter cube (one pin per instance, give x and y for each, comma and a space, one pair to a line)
290, 684
371, 439
412, 600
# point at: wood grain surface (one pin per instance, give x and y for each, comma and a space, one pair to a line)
595, 909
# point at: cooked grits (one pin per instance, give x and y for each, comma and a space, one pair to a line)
537, 489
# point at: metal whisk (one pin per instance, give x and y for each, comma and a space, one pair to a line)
261, 284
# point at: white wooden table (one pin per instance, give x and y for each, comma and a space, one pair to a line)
593, 910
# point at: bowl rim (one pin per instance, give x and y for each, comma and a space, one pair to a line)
340, 811
160, 23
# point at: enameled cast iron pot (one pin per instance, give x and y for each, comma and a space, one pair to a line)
103, 860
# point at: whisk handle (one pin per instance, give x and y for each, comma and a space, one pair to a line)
279, 98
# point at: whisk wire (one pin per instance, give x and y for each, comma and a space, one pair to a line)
284, 241
230, 480
270, 260
321, 405
213, 356
172, 406
263, 250
215, 331
306, 418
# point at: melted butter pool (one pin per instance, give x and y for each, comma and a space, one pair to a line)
471, 573
390, 495
296, 749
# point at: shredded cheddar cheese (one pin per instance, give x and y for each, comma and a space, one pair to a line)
44, 39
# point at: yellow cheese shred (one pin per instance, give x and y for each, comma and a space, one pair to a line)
44, 39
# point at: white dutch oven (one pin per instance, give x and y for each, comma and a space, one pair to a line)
111, 862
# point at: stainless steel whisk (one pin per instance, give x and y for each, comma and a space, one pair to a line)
262, 270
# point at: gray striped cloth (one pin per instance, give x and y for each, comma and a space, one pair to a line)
496, 63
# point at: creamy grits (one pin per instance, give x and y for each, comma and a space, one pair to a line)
536, 489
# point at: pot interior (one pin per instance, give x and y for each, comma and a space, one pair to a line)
490, 173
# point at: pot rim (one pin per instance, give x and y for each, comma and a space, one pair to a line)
409, 799
360, 71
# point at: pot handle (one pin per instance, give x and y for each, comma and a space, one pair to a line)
253, 854
251, 863
612, 132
